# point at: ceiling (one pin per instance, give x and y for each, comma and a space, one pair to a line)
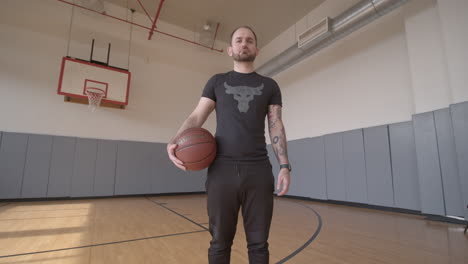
267, 17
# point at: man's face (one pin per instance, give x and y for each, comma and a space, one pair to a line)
243, 46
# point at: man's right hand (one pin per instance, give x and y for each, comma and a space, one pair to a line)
170, 151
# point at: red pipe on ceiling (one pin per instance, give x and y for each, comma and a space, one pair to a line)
144, 9
155, 19
138, 25
216, 33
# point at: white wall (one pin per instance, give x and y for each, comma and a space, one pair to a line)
168, 75
454, 21
404, 63
360, 82
377, 75
330, 8
426, 56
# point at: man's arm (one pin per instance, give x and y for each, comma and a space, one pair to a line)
279, 143
196, 119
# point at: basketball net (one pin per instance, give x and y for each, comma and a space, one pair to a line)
94, 97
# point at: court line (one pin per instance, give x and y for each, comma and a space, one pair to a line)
290, 256
186, 218
101, 244
312, 238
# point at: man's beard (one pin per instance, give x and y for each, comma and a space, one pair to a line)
244, 57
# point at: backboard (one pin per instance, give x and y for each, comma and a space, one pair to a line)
77, 75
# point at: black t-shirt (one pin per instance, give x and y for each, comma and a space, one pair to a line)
242, 101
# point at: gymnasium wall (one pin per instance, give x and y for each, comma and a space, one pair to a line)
407, 62
419, 165
45, 166
375, 118
168, 75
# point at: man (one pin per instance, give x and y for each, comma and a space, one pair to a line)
241, 175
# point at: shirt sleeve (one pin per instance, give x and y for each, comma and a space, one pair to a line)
209, 91
276, 95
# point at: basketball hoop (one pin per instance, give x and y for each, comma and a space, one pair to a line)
94, 97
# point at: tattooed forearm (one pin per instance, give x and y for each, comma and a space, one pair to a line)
279, 143
271, 119
282, 149
278, 134
272, 124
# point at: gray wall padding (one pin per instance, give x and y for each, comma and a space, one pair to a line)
448, 163
176, 180
418, 165
61, 166
355, 166
378, 168
300, 152
427, 153
36, 171
133, 168
459, 114
106, 162
334, 164
82, 183
308, 177
167, 178
12, 159
161, 170
404, 167
316, 165
144, 167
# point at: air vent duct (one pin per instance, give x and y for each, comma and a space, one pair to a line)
318, 37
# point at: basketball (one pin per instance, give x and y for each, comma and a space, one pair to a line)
196, 147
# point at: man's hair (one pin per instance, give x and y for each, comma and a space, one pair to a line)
246, 27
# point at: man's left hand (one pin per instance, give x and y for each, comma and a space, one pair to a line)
284, 179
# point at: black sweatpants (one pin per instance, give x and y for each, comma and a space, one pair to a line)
229, 187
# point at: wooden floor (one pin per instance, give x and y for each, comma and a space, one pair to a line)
173, 229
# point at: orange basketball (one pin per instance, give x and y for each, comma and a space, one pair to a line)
196, 147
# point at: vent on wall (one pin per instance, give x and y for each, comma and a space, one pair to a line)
314, 34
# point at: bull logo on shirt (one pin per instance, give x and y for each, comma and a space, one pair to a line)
243, 95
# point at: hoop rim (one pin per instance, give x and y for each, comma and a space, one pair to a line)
94, 90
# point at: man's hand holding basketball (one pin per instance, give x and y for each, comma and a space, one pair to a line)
284, 178
171, 152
